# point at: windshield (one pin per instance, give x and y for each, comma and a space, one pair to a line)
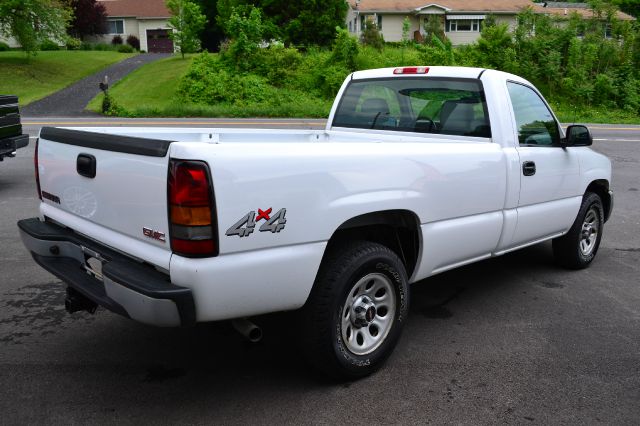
426, 105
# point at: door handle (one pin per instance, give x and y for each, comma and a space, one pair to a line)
528, 168
86, 165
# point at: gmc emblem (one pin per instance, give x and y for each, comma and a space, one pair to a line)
156, 235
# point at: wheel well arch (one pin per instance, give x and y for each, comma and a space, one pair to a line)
399, 230
601, 188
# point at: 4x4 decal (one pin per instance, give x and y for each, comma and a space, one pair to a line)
246, 225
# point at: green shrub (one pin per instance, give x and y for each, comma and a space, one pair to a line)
73, 43
111, 107
345, 49
278, 64
101, 47
371, 35
330, 78
134, 42
49, 45
125, 48
245, 32
4, 47
223, 86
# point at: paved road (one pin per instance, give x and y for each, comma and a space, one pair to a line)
72, 100
510, 340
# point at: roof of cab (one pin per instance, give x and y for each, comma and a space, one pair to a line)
455, 72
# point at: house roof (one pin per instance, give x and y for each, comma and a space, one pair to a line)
585, 13
136, 8
404, 6
475, 6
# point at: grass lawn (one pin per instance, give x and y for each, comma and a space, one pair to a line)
48, 72
568, 114
151, 87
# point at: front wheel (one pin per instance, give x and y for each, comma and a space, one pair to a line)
578, 247
356, 310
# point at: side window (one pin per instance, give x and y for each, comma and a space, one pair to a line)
536, 125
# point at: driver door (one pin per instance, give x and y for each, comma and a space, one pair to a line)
549, 173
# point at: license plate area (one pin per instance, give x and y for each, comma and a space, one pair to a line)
93, 263
93, 266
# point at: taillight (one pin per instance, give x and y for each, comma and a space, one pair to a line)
411, 70
35, 165
191, 214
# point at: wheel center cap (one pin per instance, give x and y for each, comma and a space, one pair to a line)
363, 311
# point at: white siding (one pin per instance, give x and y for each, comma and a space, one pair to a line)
392, 27
459, 38
130, 28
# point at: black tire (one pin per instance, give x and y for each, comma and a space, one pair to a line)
578, 247
374, 274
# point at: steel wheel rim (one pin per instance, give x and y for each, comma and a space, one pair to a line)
364, 332
589, 232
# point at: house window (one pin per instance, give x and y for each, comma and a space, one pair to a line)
463, 25
115, 26
607, 31
380, 22
350, 26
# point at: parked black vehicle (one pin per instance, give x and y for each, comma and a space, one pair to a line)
11, 137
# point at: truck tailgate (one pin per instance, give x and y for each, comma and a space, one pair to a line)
113, 185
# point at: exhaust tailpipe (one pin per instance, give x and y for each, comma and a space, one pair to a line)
76, 301
249, 330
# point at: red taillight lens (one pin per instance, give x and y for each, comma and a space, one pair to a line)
411, 70
193, 231
190, 185
35, 165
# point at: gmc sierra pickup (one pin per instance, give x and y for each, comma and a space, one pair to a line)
11, 137
419, 170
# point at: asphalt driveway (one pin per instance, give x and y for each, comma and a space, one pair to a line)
71, 101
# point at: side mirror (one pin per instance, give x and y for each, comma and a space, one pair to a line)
578, 135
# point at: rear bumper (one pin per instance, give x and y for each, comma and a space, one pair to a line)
124, 286
9, 145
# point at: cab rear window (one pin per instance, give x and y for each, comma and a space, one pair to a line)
423, 105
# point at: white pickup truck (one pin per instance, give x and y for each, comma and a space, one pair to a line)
419, 170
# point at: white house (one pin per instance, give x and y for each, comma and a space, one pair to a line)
148, 20
461, 20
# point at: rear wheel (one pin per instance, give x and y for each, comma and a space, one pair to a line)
578, 247
356, 310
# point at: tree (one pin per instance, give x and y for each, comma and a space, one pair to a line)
371, 36
187, 21
632, 7
89, 18
31, 22
434, 27
406, 28
302, 22
245, 30
307, 22
345, 49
